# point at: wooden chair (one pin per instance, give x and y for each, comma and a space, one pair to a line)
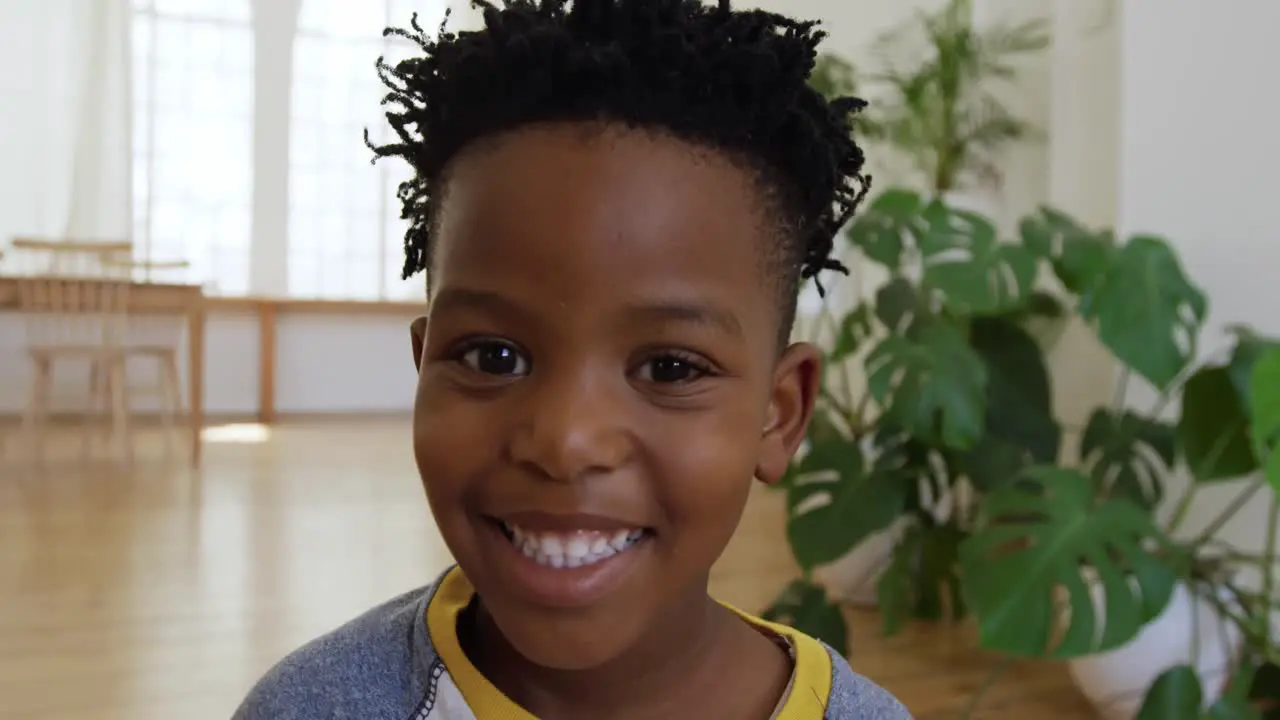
71, 320
81, 320
73, 258
156, 340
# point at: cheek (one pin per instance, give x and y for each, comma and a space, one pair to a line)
448, 446
707, 464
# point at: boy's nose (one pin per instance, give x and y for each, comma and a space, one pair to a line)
574, 429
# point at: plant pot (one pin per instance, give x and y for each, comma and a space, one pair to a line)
853, 578
1116, 682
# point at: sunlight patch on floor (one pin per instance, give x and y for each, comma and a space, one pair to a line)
239, 433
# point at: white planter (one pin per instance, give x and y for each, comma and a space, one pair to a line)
1116, 682
853, 578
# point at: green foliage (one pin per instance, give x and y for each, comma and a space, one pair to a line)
1020, 429
1146, 311
922, 580
1128, 455
882, 228
1175, 695
937, 102
966, 267
835, 502
1250, 346
855, 329
833, 76
1135, 294
932, 385
1037, 535
1078, 257
1213, 428
1264, 398
954, 444
804, 606
1264, 688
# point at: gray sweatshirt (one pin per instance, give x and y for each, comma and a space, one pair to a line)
402, 661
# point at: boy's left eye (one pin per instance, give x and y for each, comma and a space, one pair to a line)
667, 369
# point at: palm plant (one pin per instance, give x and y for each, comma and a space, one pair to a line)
936, 100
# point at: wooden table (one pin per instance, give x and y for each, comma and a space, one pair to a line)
161, 299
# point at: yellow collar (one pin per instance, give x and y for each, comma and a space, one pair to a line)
807, 701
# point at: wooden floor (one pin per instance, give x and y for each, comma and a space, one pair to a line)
161, 593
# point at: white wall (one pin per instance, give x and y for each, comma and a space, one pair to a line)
1198, 158
336, 364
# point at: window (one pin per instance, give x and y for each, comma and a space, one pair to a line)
345, 232
193, 71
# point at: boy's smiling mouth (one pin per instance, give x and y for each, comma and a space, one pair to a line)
570, 549
564, 560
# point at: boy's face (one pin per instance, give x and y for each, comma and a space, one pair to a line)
600, 381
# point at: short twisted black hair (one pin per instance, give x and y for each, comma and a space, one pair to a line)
735, 81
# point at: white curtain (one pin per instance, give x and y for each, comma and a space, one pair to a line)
65, 131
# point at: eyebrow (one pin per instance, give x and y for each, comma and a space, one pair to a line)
687, 312
457, 298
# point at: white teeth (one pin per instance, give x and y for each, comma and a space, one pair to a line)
573, 549
620, 540
577, 548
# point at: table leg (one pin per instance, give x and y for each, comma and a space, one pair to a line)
195, 379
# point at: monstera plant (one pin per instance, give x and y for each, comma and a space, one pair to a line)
954, 444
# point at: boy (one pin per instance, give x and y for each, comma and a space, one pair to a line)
615, 203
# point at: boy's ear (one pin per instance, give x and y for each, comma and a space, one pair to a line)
795, 390
417, 339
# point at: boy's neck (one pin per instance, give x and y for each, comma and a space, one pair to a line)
700, 649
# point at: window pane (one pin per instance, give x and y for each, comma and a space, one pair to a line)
343, 240
234, 10
193, 161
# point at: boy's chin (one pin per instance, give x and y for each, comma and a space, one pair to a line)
575, 641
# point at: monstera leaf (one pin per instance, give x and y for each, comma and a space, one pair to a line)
924, 469
1047, 231
899, 305
972, 271
880, 230
1264, 690
853, 330
933, 385
1143, 306
1128, 455
834, 502
804, 606
922, 579
1079, 256
1214, 428
1036, 539
1146, 310
1264, 397
1020, 426
1250, 346
1175, 695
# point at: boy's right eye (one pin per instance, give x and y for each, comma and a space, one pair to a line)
494, 357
